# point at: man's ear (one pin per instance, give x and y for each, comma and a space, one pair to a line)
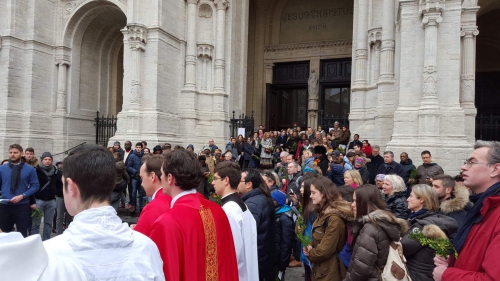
496, 170
72, 188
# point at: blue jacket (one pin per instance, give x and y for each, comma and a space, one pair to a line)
28, 185
281, 140
134, 163
284, 236
249, 150
337, 174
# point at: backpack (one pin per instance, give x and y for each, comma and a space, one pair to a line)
395, 269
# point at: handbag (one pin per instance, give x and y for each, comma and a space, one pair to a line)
268, 151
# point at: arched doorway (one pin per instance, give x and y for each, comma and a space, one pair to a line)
93, 42
487, 99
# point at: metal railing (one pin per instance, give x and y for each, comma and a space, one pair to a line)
246, 122
327, 121
105, 128
488, 127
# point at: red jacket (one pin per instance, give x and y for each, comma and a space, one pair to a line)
367, 150
478, 259
153, 210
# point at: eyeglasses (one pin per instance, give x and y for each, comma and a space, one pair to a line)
469, 163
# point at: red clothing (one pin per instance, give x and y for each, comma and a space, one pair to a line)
367, 150
195, 241
153, 210
298, 156
478, 259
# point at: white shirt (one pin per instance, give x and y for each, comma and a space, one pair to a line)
154, 194
26, 259
107, 249
244, 229
192, 191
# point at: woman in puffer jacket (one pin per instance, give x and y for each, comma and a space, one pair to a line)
328, 231
424, 205
373, 231
394, 190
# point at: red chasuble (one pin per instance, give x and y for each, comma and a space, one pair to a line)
153, 210
195, 241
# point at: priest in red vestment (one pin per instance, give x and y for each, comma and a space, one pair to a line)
151, 182
194, 237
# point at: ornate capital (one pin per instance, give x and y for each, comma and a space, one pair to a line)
431, 6
469, 31
362, 53
375, 34
221, 4
431, 19
192, 1
62, 63
205, 50
136, 35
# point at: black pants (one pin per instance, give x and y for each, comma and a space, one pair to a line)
297, 249
20, 215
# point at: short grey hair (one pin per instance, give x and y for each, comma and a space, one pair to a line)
397, 182
294, 164
389, 152
493, 156
284, 154
375, 147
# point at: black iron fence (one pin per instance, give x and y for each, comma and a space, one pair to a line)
488, 127
105, 128
327, 121
243, 122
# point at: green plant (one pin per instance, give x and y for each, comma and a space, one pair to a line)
442, 246
210, 179
36, 214
217, 198
304, 239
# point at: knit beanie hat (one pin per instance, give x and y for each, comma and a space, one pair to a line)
47, 154
279, 197
359, 160
380, 177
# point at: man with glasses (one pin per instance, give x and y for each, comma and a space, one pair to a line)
243, 226
478, 239
194, 237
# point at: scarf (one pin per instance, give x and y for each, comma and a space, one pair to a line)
15, 176
48, 171
474, 215
416, 214
283, 209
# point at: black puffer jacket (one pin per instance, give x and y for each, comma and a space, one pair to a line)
372, 167
262, 209
419, 259
365, 175
55, 186
407, 168
283, 238
373, 233
396, 204
391, 169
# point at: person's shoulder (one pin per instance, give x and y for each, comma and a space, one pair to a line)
233, 209
57, 246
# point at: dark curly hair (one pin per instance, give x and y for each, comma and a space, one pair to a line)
184, 167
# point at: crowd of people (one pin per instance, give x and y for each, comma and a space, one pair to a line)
264, 203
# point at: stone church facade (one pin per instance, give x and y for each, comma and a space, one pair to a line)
402, 71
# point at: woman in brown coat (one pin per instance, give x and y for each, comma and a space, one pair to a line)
373, 232
328, 231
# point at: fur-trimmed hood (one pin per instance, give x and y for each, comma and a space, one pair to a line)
458, 203
433, 231
392, 226
342, 209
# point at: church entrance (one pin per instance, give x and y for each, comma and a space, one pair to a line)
287, 96
487, 99
335, 87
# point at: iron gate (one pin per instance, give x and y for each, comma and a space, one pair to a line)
327, 121
488, 127
246, 122
105, 128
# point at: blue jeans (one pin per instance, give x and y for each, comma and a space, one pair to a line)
137, 190
48, 208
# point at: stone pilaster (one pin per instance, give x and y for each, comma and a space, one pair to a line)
190, 83
374, 36
469, 33
429, 113
388, 46
361, 52
62, 78
220, 63
205, 53
136, 35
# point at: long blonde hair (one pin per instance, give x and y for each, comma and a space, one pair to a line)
356, 176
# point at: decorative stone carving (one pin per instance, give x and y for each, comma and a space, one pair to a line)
430, 81
136, 33
205, 53
205, 50
205, 11
68, 8
313, 85
221, 4
375, 34
136, 92
300, 46
431, 5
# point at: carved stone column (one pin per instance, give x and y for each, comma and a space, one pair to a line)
136, 35
205, 53
361, 44
61, 85
387, 48
220, 63
313, 91
429, 114
190, 82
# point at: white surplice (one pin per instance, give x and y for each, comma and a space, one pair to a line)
244, 229
26, 259
107, 249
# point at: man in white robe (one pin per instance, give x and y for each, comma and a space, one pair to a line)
26, 259
243, 226
97, 240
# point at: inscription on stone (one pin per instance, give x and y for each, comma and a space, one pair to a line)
316, 20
